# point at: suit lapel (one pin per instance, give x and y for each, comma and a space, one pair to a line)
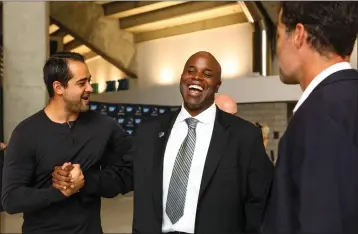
216, 150
160, 143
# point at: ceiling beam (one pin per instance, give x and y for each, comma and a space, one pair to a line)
82, 49
180, 12
72, 45
102, 2
90, 55
53, 28
59, 33
191, 27
119, 9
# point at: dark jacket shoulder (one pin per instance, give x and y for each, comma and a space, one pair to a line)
158, 120
240, 125
335, 96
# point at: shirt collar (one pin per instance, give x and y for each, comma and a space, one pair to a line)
205, 117
319, 78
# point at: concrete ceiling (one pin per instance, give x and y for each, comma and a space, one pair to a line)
149, 20
120, 10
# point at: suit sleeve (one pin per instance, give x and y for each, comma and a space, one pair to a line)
259, 181
116, 173
19, 167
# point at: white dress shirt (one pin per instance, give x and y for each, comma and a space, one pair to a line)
319, 78
179, 131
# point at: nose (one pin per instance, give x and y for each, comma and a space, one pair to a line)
197, 76
89, 88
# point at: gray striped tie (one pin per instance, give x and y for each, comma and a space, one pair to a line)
179, 179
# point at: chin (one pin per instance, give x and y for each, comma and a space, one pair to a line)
78, 108
288, 80
193, 106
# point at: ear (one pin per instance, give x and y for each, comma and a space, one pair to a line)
217, 87
58, 88
300, 36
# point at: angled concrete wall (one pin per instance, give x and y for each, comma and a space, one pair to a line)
86, 21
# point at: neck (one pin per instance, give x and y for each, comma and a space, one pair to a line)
196, 111
58, 113
320, 64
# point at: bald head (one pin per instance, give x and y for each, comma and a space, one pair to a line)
212, 60
226, 103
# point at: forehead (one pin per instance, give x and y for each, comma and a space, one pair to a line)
202, 61
78, 69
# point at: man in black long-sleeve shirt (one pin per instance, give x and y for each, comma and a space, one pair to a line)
65, 131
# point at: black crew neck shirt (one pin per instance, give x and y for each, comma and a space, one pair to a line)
95, 141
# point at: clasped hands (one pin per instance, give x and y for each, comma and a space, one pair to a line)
68, 178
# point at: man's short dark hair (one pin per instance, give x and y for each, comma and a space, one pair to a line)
331, 26
56, 69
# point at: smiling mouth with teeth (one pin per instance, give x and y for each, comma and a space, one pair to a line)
195, 88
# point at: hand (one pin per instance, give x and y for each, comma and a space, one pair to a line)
74, 179
78, 181
61, 177
76, 173
2, 145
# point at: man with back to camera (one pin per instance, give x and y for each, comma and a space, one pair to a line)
226, 103
199, 170
94, 145
315, 185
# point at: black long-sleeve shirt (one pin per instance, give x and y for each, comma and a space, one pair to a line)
37, 145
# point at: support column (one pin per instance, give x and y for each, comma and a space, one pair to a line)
25, 49
25, 41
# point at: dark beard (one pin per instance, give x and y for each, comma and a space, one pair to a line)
77, 107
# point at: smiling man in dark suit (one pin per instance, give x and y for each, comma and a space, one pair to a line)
315, 188
199, 170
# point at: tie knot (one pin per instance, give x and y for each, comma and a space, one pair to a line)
191, 122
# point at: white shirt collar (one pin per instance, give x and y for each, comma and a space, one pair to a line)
319, 78
205, 117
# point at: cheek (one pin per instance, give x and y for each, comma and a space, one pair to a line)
183, 78
283, 55
279, 49
210, 91
74, 93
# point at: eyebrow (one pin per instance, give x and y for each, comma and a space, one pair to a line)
84, 79
206, 69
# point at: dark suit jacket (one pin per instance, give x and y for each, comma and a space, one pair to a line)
235, 181
315, 188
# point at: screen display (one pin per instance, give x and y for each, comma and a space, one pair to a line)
111, 108
129, 109
129, 116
